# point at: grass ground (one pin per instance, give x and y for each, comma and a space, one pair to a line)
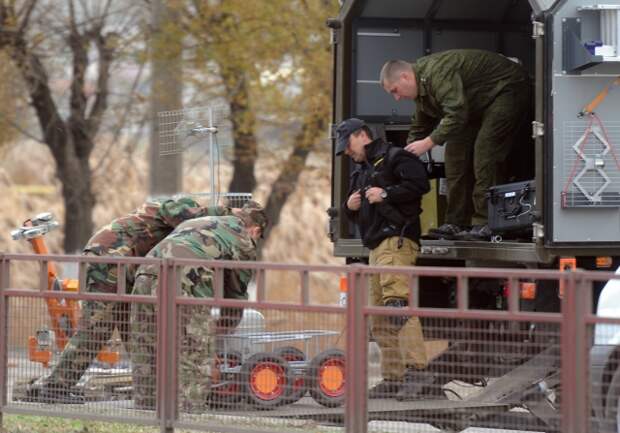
36, 424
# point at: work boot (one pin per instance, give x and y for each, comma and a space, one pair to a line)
413, 384
387, 388
445, 231
58, 394
477, 233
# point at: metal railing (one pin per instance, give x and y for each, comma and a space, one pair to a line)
500, 366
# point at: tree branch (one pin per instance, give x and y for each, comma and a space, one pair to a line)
101, 93
36, 79
27, 13
80, 63
286, 182
19, 129
123, 119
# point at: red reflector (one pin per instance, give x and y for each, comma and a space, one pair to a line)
603, 262
528, 290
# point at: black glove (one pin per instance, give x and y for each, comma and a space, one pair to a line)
398, 321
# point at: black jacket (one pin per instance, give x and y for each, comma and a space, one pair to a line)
403, 176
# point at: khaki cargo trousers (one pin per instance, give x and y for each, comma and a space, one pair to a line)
478, 159
401, 347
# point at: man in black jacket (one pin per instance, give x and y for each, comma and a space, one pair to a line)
384, 200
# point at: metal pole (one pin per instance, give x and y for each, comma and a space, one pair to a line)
167, 348
356, 415
212, 159
583, 307
574, 365
4, 283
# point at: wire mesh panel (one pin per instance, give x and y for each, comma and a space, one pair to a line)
81, 380
230, 199
485, 374
206, 127
272, 367
181, 129
591, 164
446, 370
603, 337
274, 370
467, 350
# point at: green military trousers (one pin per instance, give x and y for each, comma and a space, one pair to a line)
478, 159
196, 349
401, 347
97, 323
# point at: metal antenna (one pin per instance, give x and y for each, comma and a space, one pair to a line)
181, 130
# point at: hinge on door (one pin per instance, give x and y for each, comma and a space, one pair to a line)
335, 36
538, 231
331, 131
538, 29
538, 129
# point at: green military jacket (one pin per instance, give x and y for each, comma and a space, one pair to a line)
136, 233
207, 238
455, 87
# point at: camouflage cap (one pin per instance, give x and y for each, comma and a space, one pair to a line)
255, 214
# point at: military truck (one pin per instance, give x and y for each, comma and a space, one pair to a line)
568, 182
573, 196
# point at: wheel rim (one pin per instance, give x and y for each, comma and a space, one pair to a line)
267, 380
331, 377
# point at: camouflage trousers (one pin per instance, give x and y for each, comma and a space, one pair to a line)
401, 347
196, 350
97, 323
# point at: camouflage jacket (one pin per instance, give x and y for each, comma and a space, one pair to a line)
456, 86
135, 234
208, 238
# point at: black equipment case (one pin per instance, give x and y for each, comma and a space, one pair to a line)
512, 207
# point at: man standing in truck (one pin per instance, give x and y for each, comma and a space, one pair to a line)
474, 101
385, 201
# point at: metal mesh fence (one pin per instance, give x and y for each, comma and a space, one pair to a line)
469, 351
484, 374
84, 379
276, 370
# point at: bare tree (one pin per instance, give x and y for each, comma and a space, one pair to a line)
42, 37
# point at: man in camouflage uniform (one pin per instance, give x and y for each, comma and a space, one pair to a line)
475, 101
130, 236
209, 238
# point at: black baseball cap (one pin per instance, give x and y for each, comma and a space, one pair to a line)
344, 130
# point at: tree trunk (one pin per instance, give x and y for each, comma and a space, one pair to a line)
243, 125
78, 216
287, 180
75, 175
165, 171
